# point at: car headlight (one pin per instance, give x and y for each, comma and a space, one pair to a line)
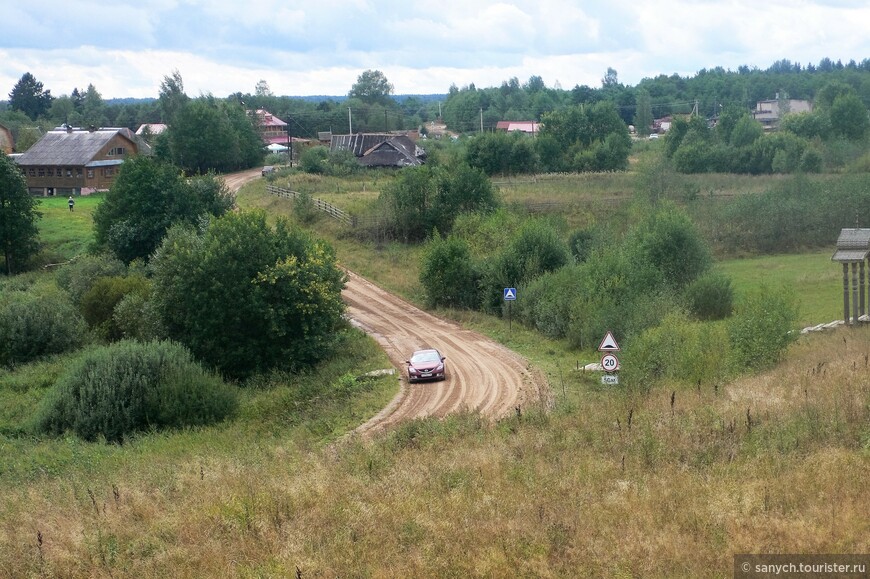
439, 368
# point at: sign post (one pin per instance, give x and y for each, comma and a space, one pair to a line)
510, 295
609, 361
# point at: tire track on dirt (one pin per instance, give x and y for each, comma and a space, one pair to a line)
482, 375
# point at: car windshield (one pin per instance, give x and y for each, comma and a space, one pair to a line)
427, 356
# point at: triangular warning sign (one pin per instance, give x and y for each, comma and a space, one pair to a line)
608, 344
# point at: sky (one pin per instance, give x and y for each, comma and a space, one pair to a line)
320, 47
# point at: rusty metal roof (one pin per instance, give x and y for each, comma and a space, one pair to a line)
852, 245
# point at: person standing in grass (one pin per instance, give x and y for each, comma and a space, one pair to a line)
71, 203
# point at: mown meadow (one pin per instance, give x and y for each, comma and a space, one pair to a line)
665, 481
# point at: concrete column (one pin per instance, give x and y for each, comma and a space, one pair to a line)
846, 293
855, 292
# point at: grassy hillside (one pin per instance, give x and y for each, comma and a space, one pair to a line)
609, 482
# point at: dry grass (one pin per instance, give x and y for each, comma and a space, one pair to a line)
609, 484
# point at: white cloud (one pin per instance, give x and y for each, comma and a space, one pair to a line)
226, 46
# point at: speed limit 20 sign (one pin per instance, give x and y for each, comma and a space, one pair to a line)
610, 363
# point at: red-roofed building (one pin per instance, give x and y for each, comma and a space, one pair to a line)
272, 129
530, 127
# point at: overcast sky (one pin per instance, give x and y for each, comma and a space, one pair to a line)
319, 47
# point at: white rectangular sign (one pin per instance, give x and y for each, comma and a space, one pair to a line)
610, 379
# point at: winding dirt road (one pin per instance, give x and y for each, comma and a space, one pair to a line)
482, 375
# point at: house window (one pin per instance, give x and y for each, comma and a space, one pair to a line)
117, 152
109, 171
68, 172
31, 172
90, 173
49, 172
79, 172
41, 172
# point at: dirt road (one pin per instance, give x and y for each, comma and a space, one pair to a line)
482, 375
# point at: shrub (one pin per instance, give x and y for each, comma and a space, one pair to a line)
98, 303
581, 243
547, 301
137, 317
710, 297
78, 276
114, 391
669, 242
449, 275
678, 350
304, 209
762, 329
811, 161
313, 159
35, 324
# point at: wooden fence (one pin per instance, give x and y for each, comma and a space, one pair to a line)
319, 204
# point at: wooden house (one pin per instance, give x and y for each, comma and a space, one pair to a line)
380, 149
70, 161
7, 143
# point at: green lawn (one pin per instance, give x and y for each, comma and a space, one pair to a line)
65, 234
816, 281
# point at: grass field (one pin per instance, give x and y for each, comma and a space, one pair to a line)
816, 281
63, 233
665, 482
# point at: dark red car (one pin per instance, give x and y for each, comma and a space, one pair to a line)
426, 365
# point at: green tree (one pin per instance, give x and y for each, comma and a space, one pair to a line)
668, 241
423, 199
246, 297
19, 234
171, 97
449, 275
208, 134
849, 117
581, 138
93, 108
147, 197
501, 153
643, 118
372, 87
29, 97
746, 131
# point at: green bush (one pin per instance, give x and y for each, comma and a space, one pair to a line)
762, 329
710, 297
137, 317
35, 324
313, 159
98, 303
127, 387
77, 277
449, 275
677, 350
547, 301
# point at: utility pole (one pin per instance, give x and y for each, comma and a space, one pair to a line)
349, 122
